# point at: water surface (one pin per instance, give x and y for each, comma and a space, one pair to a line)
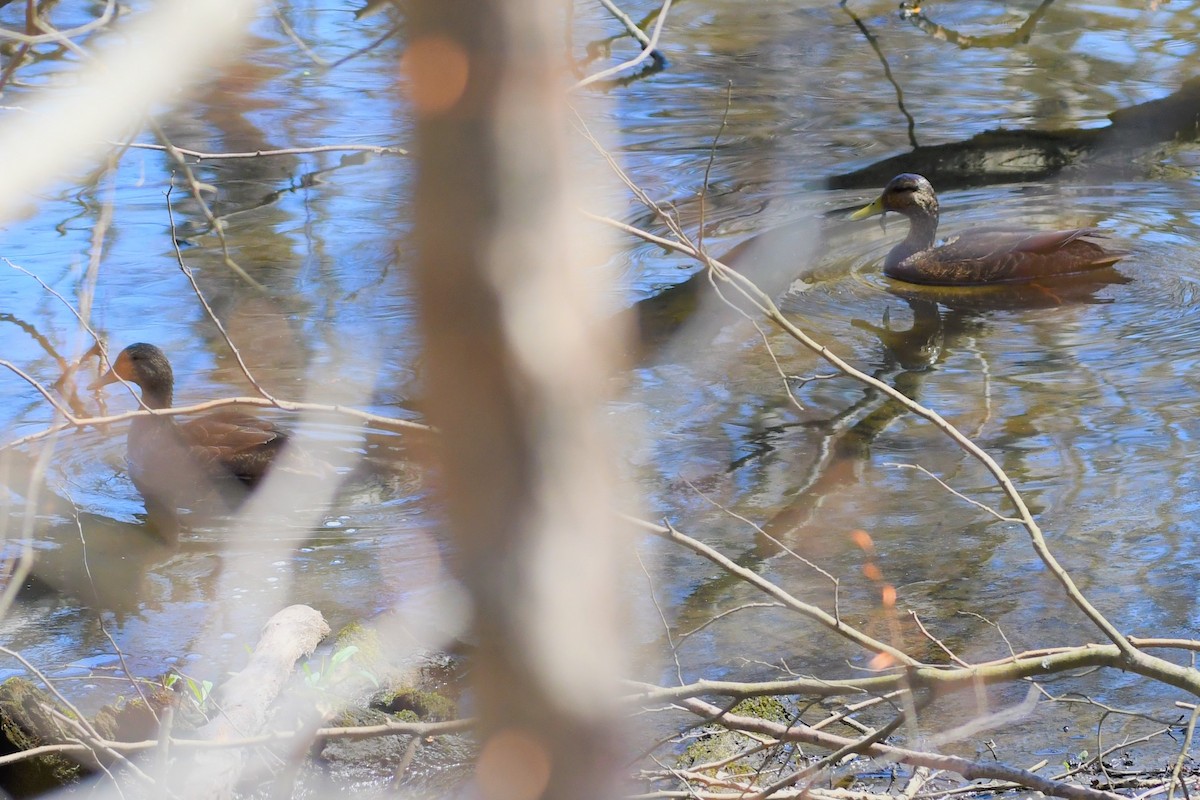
1085, 394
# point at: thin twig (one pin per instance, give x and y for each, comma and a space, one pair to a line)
845, 716
712, 157
723, 614
628, 22
661, 241
650, 47
1184, 750
77, 314
198, 196
779, 370
887, 72
62, 37
815, 770
323, 62
662, 617
410, 753
774, 540
968, 769
383, 37
284, 151
212, 315
53, 689
936, 641
418, 729
295, 37
953, 491
814, 613
96, 743
87, 569
73, 421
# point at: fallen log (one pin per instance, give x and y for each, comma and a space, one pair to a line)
245, 699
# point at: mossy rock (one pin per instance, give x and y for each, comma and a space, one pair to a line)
767, 707
415, 705
24, 725
438, 768
374, 751
715, 744
370, 651
718, 744
137, 719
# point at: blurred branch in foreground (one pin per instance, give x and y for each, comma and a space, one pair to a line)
518, 369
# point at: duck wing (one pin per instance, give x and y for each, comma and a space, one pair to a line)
234, 441
999, 255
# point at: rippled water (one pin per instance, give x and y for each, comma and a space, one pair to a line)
1085, 392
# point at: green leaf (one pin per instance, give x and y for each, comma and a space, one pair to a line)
343, 654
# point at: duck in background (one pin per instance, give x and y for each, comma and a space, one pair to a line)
981, 255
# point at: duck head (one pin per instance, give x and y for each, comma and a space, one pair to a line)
147, 366
908, 194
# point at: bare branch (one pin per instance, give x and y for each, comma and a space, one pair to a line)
971, 770
953, 491
198, 196
1184, 751
647, 51
754, 579
63, 37
375, 420
376, 149
417, 729
212, 315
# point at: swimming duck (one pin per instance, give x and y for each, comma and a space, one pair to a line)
176, 465
980, 255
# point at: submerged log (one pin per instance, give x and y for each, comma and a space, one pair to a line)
1006, 156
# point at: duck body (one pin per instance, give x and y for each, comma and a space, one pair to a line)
982, 255
180, 465
226, 453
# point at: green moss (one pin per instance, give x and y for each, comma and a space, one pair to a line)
137, 719
716, 745
768, 708
419, 705
365, 664
370, 651
351, 717
719, 744
25, 725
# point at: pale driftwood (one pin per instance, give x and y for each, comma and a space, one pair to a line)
246, 698
287, 637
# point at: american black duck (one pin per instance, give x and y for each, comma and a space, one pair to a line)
179, 464
980, 255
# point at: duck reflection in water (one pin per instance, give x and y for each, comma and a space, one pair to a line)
942, 319
104, 564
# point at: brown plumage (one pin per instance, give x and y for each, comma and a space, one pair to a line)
979, 255
179, 465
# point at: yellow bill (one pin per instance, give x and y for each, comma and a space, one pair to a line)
876, 207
